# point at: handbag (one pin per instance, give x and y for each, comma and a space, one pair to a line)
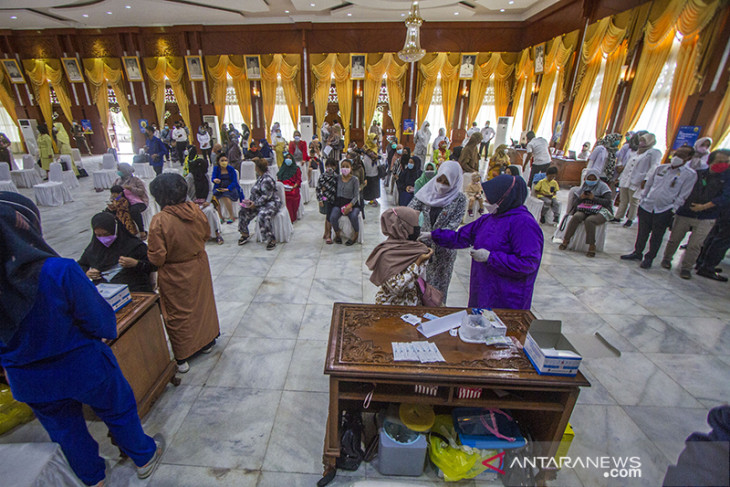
382, 171
430, 296
589, 208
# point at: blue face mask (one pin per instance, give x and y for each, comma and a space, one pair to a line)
289, 162
410, 165
393, 146
590, 184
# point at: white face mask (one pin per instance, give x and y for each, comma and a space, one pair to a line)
677, 162
297, 138
442, 188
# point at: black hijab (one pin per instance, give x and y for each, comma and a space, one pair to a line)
103, 258
506, 191
23, 253
199, 169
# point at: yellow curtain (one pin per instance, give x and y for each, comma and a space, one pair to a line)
100, 75
371, 87
323, 73
611, 76
323, 79
450, 88
343, 85
479, 83
429, 76
173, 68
524, 75
43, 75
219, 68
502, 74
557, 57
719, 128
687, 16
242, 87
6, 99
396, 75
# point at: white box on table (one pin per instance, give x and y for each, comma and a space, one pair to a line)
117, 295
549, 351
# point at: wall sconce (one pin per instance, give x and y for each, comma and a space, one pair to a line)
255, 91
624, 73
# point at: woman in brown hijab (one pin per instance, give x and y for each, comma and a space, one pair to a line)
398, 262
469, 158
176, 243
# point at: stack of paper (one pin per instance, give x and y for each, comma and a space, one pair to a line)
423, 352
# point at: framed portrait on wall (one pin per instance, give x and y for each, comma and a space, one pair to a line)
12, 69
540, 58
466, 68
195, 68
253, 66
357, 66
132, 68
73, 69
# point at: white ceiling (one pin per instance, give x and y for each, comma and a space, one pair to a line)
44, 14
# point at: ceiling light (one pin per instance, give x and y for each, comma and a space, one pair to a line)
501, 10
349, 15
127, 6
402, 15
108, 13
511, 2
412, 50
311, 5
456, 13
286, 11
14, 17
85, 15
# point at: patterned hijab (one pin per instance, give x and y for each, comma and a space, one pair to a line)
23, 253
610, 142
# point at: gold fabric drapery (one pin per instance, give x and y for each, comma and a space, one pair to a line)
502, 74
273, 67
719, 127
555, 59
173, 68
6, 99
323, 73
371, 86
44, 74
667, 18
102, 73
611, 78
479, 83
396, 95
524, 76
219, 68
394, 71
450, 88
447, 65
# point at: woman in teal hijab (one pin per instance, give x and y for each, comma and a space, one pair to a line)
428, 173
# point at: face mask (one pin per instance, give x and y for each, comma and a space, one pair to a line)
120, 174
297, 138
278, 134
410, 165
416, 233
430, 174
442, 188
590, 184
329, 170
223, 163
107, 241
677, 161
702, 150
288, 162
719, 167
399, 151
345, 171
393, 146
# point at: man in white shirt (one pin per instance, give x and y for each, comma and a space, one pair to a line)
667, 186
180, 137
538, 153
487, 136
633, 176
472, 130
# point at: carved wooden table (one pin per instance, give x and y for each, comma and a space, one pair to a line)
360, 364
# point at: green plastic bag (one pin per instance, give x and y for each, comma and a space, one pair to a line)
12, 412
455, 460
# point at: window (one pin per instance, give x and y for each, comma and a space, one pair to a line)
487, 112
585, 129
169, 95
655, 114
281, 114
545, 129
435, 115
332, 98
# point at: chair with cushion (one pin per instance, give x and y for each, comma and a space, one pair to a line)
69, 178
578, 241
54, 192
104, 178
28, 176
534, 205
248, 177
6, 183
315, 178
281, 222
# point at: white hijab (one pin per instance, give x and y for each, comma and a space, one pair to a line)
424, 133
441, 136
428, 194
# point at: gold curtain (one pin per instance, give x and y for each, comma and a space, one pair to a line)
557, 56
6, 99
524, 76
323, 73
719, 128
102, 73
450, 88
323, 80
278, 66
371, 87
602, 38
611, 76
429, 76
687, 16
219, 68
479, 83
173, 68
396, 96
343, 85
44, 74
502, 74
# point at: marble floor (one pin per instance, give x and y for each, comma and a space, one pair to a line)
252, 413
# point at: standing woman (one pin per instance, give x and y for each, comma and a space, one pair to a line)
136, 194
178, 234
290, 174
507, 247
279, 144
469, 158
226, 188
204, 141
45, 147
52, 323
423, 137
442, 205
266, 152
64, 144
5, 155
298, 148
441, 137
410, 172
370, 161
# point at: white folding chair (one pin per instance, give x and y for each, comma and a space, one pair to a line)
281, 221
348, 231
248, 177
28, 176
315, 178
105, 177
534, 206
69, 178
304, 190
6, 183
578, 241
53, 192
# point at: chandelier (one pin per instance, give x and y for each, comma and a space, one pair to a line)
412, 51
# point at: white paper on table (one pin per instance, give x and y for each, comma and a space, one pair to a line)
411, 319
435, 327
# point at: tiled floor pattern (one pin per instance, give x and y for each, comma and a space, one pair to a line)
252, 413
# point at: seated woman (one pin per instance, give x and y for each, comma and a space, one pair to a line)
410, 172
116, 256
499, 162
226, 188
428, 173
397, 262
263, 203
200, 192
507, 247
136, 194
591, 204
346, 203
290, 174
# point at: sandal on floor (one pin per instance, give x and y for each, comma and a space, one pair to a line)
350, 242
328, 241
338, 240
591, 251
244, 239
271, 245
219, 240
